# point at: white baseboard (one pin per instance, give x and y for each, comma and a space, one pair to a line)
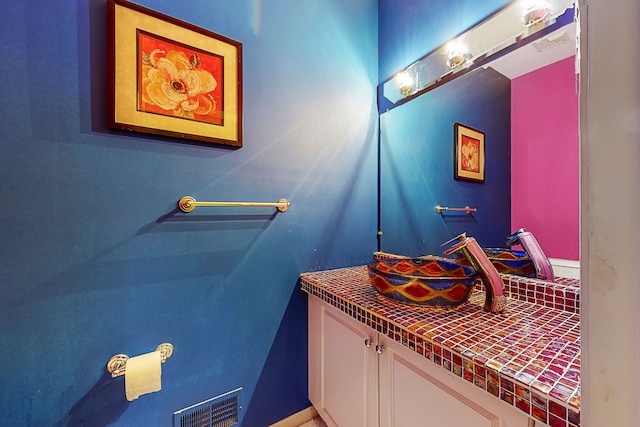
298, 418
565, 268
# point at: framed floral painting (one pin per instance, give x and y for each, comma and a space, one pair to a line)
168, 77
469, 158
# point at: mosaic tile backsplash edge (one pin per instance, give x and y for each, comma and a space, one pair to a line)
529, 356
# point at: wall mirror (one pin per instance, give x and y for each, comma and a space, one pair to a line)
416, 165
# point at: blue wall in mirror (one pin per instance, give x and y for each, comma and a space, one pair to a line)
417, 151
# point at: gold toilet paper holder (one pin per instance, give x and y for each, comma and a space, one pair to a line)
117, 365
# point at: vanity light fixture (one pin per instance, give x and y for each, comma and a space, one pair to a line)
535, 11
518, 23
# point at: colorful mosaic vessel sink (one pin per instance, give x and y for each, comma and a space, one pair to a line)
506, 261
426, 281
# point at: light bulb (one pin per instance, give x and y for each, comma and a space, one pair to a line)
534, 11
456, 54
404, 81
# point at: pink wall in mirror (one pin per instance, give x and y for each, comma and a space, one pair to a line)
545, 158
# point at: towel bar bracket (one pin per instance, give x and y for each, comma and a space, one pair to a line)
187, 204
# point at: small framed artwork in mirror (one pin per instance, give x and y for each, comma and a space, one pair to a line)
469, 159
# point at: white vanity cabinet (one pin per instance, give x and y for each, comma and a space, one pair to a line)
343, 368
359, 378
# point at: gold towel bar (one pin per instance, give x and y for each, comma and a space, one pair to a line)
466, 209
188, 203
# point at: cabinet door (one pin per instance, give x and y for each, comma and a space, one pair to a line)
343, 371
415, 392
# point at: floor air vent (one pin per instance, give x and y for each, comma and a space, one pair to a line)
219, 411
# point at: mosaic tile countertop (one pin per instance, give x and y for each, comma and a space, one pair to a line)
528, 356
562, 293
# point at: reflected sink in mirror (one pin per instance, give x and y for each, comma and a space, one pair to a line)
506, 261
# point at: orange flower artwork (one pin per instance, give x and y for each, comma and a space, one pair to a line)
179, 81
470, 154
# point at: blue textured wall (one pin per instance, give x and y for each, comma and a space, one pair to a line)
416, 139
95, 260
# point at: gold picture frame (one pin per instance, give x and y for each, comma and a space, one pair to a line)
168, 77
469, 153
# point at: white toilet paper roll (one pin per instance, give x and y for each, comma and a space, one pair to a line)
142, 375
